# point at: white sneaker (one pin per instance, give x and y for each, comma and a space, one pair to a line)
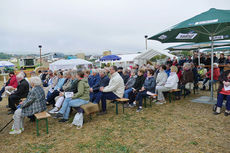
15, 132
54, 110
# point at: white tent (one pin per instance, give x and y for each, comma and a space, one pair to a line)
6, 64
68, 64
145, 56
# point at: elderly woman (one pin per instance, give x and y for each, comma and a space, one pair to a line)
128, 86
148, 86
71, 88
223, 92
34, 103
78, 99
162, 76
187, 77
171, 83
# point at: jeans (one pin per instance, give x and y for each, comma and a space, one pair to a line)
68, 103
220, 98
109, 96
126, 93
140, 97
96, 97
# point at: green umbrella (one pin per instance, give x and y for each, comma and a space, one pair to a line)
211, 25
195, 46
218, 49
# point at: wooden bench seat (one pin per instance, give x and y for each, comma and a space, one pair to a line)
122, 101
42, 116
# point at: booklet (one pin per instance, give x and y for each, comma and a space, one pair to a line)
150, 93
68, 94
226, 88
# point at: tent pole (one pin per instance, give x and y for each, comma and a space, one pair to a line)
199, 56
212, 68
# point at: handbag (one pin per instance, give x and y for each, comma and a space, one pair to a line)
78, 120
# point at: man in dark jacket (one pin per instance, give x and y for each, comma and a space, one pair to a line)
96, 93
94, 81
21, 92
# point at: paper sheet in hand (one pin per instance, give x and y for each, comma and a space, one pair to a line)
51, 90
68, 94
226, 88
150, 93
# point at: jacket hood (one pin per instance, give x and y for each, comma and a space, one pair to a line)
85, 80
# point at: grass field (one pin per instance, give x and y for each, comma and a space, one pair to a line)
180, 126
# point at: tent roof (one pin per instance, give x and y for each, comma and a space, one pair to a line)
6, 64
218, 49
151, 53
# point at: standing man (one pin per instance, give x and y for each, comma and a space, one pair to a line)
114, 90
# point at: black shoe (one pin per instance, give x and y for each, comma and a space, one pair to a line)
226, 113
11, 112
102, 113
216, 113
58, 115
0, 99
63, 120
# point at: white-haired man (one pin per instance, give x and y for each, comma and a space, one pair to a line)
21, 92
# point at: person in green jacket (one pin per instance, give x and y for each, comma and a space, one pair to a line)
78, 99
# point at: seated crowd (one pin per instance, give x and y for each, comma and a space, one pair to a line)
73, 88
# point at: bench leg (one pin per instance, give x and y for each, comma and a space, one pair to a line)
37, 128
145, 102
151, 99
169, 97
90, 116
47, 129
116, 107
123, 108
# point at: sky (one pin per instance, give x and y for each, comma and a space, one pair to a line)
92, 26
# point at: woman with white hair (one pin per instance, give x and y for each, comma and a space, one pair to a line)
21, 92
34, 103
216, 74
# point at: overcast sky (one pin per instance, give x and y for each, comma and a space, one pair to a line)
92, 26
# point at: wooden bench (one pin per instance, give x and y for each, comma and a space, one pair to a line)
42, 116
90, 109
150, 99
122, 101
171, 92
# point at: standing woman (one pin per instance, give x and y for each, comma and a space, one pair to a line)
34, 103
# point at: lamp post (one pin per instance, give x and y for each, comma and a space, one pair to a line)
146, 38
40, 46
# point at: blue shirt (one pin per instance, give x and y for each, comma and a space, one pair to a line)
59, 84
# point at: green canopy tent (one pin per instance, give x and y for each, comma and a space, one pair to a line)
218, 49
198, 46
211, 25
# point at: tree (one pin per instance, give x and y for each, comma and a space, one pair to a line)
157, 57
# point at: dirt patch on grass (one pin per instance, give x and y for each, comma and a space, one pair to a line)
180, 126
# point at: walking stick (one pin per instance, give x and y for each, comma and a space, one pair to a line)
6, 125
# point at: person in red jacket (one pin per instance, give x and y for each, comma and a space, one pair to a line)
216, 74
11, 84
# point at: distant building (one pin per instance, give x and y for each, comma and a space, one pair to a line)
50, 57
81, 55
105, 53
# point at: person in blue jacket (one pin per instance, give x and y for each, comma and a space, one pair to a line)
93, 80
149, 86
104, 81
